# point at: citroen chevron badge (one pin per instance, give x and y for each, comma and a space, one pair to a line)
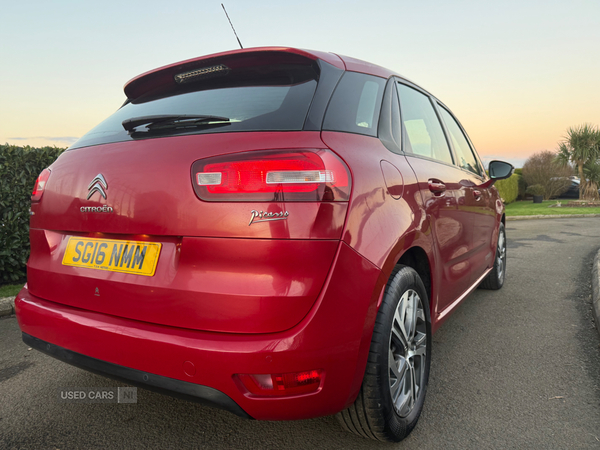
99, 185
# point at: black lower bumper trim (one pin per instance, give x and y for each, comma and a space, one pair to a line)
169, 386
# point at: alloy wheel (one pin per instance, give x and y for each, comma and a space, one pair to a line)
501, 255
407, 353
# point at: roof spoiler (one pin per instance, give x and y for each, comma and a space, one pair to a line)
220, 64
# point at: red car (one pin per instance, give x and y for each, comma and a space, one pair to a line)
272, 231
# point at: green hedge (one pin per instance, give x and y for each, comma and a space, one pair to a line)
19, 168
509, 188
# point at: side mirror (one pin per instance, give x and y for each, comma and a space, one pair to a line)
499, 170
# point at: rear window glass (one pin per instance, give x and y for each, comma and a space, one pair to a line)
355, 104
270, 103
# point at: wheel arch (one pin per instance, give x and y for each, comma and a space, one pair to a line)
413, 249
416, 258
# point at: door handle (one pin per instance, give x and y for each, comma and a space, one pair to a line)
477, 194
436, 186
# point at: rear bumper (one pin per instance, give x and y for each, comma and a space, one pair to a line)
334, 336
170, 386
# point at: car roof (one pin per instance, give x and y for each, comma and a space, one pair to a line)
358, 65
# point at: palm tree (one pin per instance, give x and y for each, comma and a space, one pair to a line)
580, 146
592, 174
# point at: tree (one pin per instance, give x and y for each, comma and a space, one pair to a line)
591, 169
581, 146
542, 169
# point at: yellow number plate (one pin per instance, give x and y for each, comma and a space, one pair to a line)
113, 255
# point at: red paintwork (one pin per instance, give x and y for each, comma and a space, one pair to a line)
382, 228
197, 285
208, 284
274, 297
153, 194
328, 338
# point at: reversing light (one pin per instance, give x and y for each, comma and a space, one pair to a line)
208, 178
306, 176
40, 185
282, 384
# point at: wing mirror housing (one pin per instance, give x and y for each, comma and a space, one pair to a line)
500, 170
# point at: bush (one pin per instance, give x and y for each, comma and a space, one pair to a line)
509, 188
541, 168
535, 190
522, 187
522, 184
19, 168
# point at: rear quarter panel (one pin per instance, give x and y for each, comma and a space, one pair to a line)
379, 226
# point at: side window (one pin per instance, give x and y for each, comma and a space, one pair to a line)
425, 136
355, 104
464, 152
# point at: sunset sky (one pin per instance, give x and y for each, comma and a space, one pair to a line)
516, 73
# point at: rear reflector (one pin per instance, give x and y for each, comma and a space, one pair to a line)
40, 185
282, 384
282, 175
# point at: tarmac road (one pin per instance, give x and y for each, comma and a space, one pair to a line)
515, 368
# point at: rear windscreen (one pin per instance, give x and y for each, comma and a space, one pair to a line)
264, 98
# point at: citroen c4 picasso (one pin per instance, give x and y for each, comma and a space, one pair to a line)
272, 231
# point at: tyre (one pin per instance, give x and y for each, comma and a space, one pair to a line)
393, 391
495, 279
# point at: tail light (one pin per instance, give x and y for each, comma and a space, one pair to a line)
282, 384
283, 175
40, 185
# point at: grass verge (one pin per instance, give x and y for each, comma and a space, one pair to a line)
10, 290
528, 208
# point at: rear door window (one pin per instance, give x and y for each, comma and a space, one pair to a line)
424, 133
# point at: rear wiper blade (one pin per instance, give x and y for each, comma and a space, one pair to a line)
170, 121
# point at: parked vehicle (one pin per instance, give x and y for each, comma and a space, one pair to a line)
273, 231
573, 190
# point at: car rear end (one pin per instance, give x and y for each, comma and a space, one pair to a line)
192, 241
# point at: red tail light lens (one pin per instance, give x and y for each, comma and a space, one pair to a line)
40, 185
282, 384
284, 175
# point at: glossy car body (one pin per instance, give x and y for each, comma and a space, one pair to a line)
234, 293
